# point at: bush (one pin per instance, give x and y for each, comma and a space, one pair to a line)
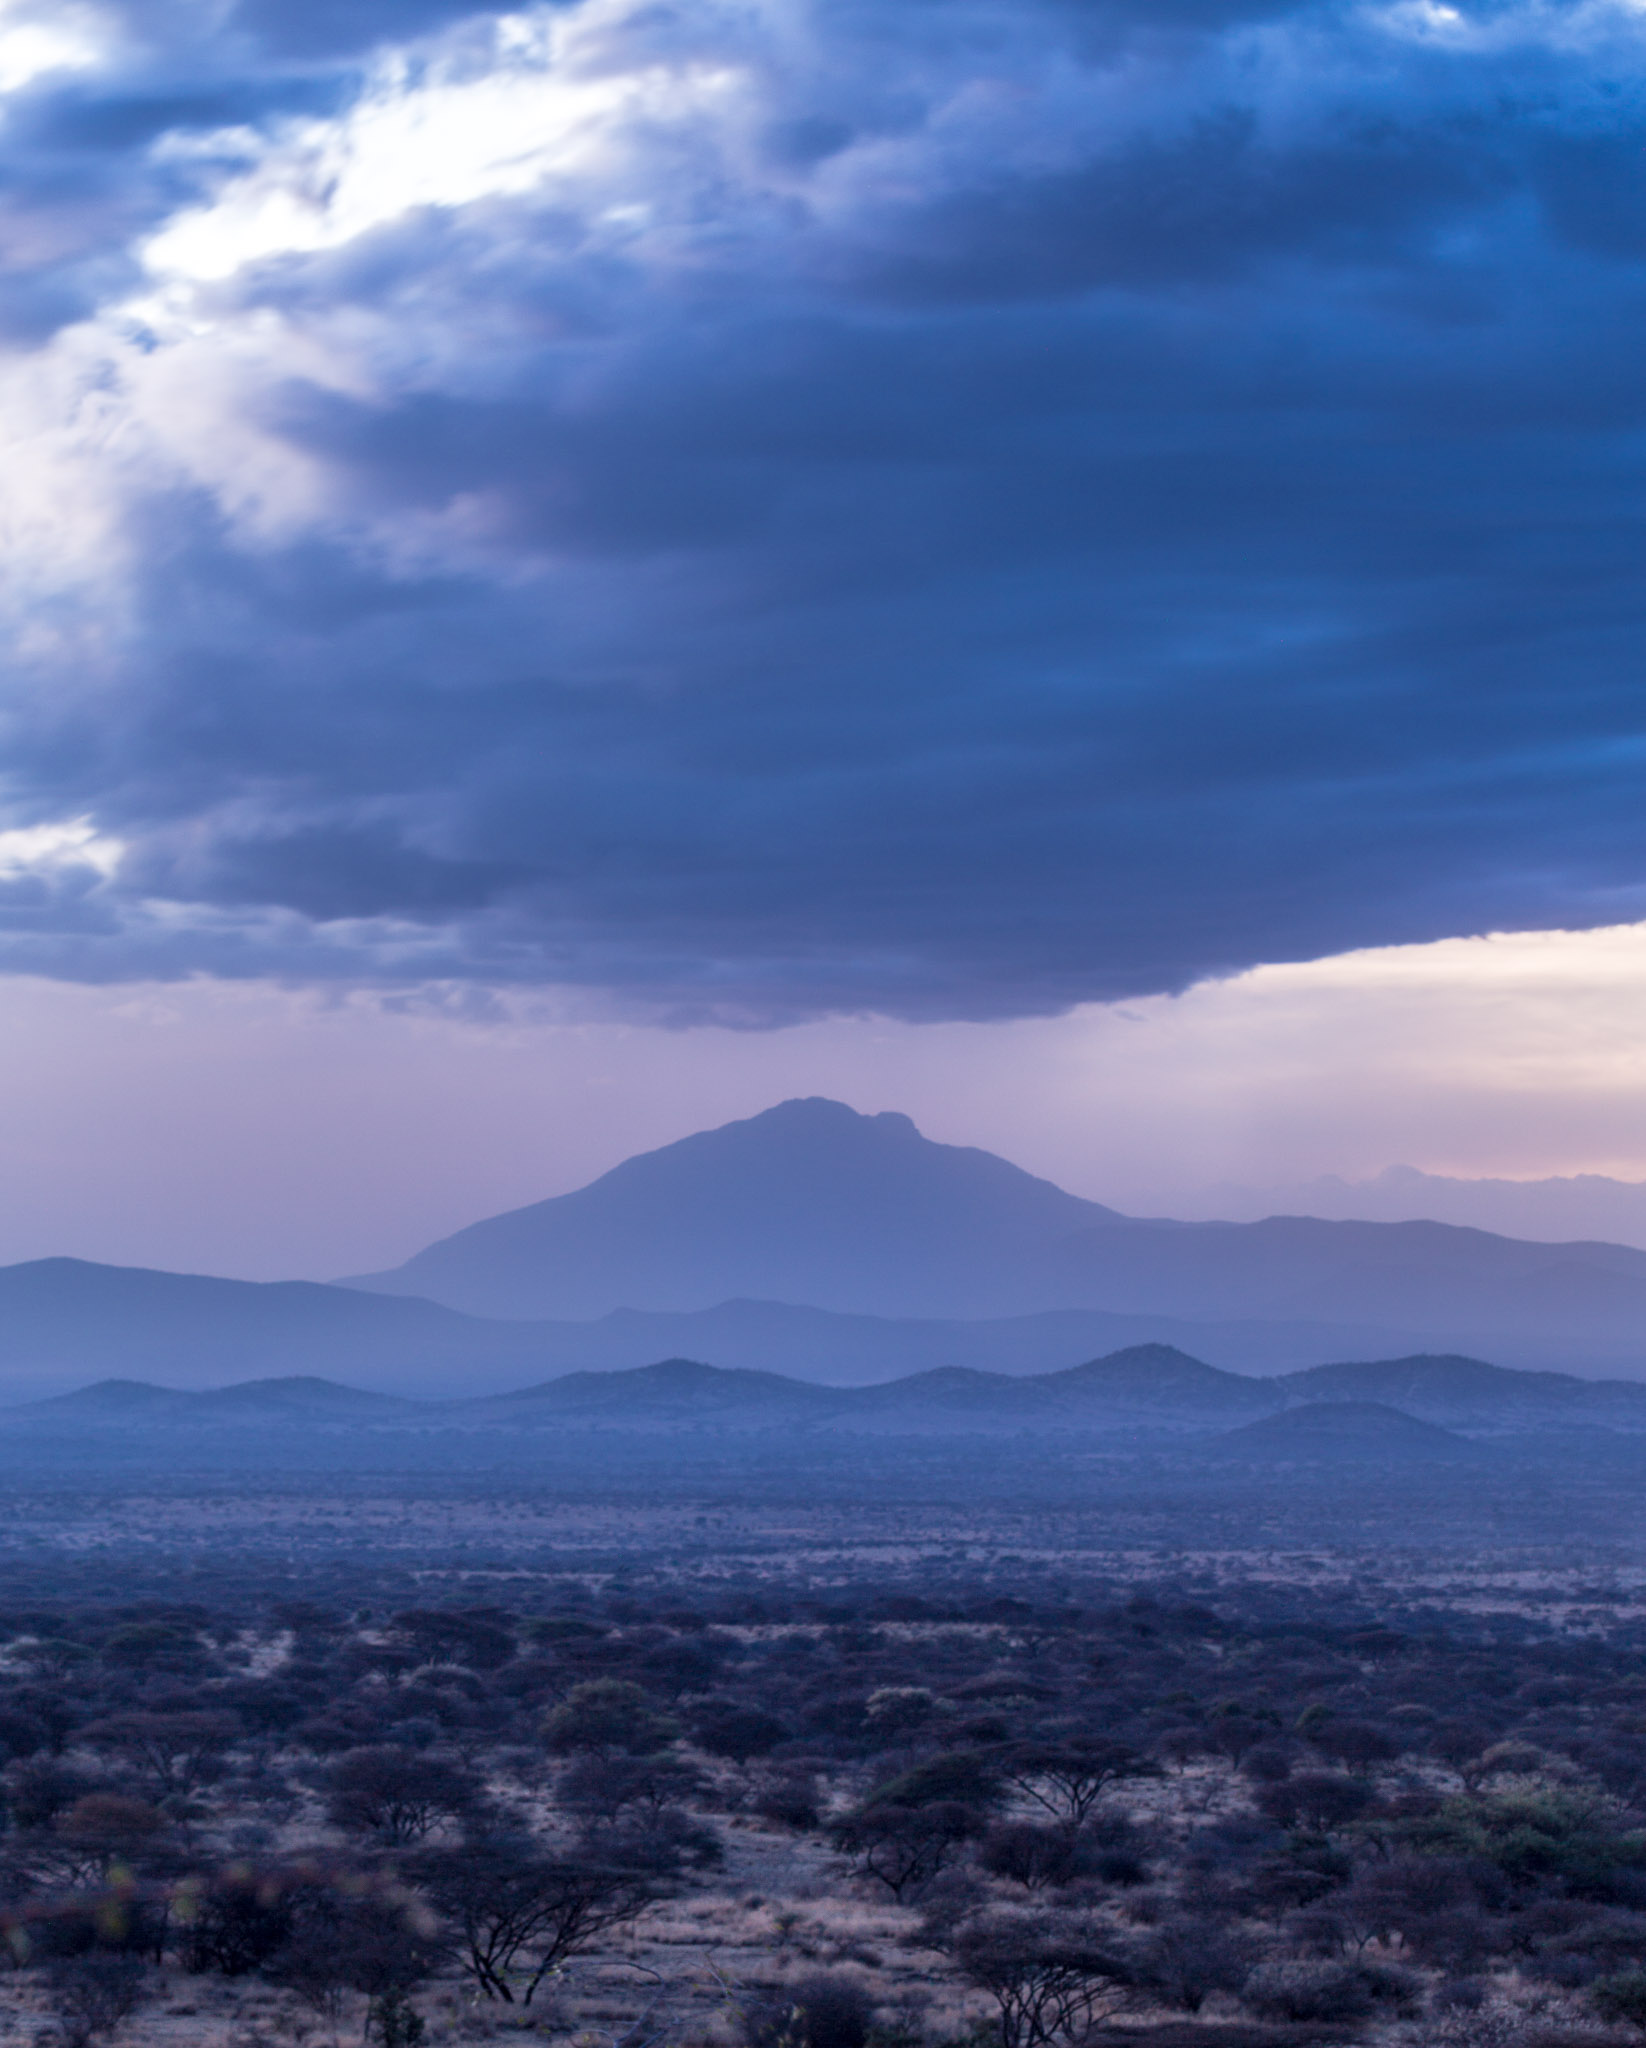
1621, 1999
723, 1728
962, 1776
819, 2011
607, 1717
1458, 1994
43, 1789
789, 1802
660, 1844
1541, 1836
91, 1995
392, 2021
236, 1928
1188, 1957
1300, 1992
1035, 1856
1317, 1801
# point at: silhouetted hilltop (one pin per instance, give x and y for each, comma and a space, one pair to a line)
1148, 1392
1160, 1379
675, 1390
807, 1203
1468, 1393
1343, 1432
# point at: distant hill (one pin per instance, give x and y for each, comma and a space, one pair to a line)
672, 1393
812, 1205
64, 1321
1151, 1388
846, 1350
1150, 1392
1465, 1393
301, 1402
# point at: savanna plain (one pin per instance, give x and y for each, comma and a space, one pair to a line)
426, 1760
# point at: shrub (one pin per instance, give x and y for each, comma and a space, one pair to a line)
819, 2011
1300, 1992
1318, 1801
236, 1928
607, 1717
1035, 1856
1538, 1836
790, 1802
92, 1994
724, 1728
961, 1775
1051, 1978
43, 1789
1621, 1999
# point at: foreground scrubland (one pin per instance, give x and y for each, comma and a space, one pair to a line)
931, 1800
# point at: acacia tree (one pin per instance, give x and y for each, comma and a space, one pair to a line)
177, 1752
520, 1915
398, 1795
1068, 1778
906, 1846
1050, 1976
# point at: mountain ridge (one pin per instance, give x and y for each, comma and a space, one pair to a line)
1147, 1387
811, 1204
1554, 1208
68, 1320
901, 1217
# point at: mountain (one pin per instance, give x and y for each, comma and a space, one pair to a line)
812, 1205
996, 1273
808, 1203
1581, 1205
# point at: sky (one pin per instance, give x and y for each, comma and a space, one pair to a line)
569, 571
239, 1128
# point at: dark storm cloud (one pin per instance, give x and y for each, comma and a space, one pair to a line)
1013, 504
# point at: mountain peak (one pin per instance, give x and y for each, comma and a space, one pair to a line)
813, 1204
810, 1202
825, 1109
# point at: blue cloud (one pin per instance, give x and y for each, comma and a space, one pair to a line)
999, 505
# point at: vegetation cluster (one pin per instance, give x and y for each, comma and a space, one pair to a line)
1071, 1814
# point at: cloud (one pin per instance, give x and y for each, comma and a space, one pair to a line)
956, 510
